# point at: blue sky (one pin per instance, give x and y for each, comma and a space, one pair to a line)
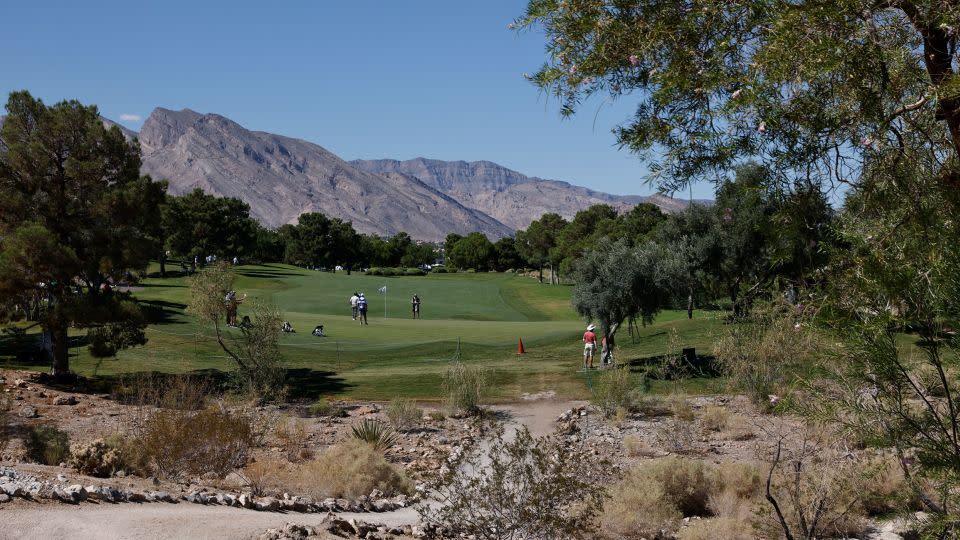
365, 79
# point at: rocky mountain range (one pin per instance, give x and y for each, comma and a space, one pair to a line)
282, 177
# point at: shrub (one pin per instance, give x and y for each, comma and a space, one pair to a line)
404, 414
99, 457
656, 494
716, 418
676, 436
46, 444
436, 416
4, 421
680, 408
438, 270
883, 488
465, 387
290, 434
179, 443
375, 433
637, 447
759, 354
530, 488
617, 389
323, 407
350, 469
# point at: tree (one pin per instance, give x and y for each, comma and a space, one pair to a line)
615, 282
586, 227
75, 214
813, 90
256, 350
640, 221
536, 242
198, 224
418, 253
506, 256
472, 251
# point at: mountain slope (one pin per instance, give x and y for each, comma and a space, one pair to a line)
509, 196
281, 178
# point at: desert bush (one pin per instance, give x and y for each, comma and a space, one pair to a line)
178, 443
810, 491
99, 457
617, 389
676, 436
323, 407
5, 407
465, 387
637, 447
759, 353
375, 433
436, 416
349, 469
680, 408
290, 433
655, 495
716, 418
404, 414
530, 488
883, 488
712, 529
46, 444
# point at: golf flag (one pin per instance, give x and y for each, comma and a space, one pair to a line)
382, 290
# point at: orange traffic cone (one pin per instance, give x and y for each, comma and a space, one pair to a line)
520, 349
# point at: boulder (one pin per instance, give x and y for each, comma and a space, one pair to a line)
5, 498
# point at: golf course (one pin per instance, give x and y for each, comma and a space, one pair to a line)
478, 318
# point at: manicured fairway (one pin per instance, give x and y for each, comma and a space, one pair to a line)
476, 317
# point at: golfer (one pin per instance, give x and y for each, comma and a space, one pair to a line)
589, 346
353, 305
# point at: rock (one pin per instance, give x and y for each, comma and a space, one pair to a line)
5, 498
267, 504
77, 491
340, 527
20, 383
226, 499
64, 400
62, 477
12, 490
246, 500
160, 496
27, 412
66, 496
136, 497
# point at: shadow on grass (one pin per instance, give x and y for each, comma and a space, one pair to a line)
311, 384
704, 365
161, 311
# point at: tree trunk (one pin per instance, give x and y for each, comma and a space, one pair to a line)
541, 274
690, 304
61, 350
163, 265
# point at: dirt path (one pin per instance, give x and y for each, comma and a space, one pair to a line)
160, 521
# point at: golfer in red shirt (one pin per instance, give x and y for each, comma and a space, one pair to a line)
589, 346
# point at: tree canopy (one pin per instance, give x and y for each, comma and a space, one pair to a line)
75, 215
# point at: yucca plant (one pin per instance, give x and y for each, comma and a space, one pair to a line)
376, 433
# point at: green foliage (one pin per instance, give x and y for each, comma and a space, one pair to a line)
535, 244
197, 224
74, 214
46, 444
375, 433
323, 407
465, 387
530, 488
473, 251
802, 87
390, 272
255, 351
616, 282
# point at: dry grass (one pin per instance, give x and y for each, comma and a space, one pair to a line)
717, 528
739, 428
680, 408
716, 418
883, 488
636, 447
655, 495
677, 437
404, 414
290, 434
347, 470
